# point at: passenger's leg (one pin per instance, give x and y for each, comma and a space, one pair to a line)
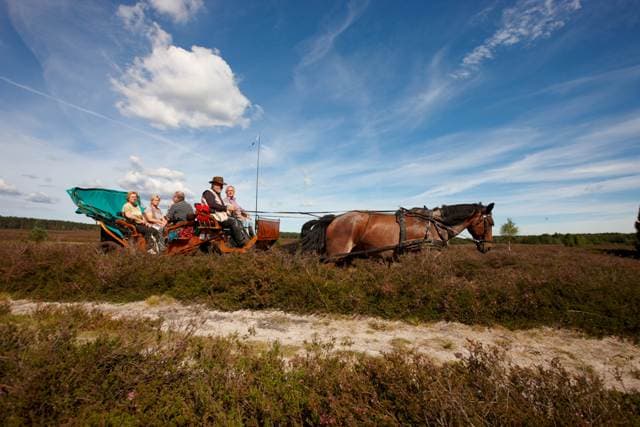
237, 233
147, 233
251, 232
157, 234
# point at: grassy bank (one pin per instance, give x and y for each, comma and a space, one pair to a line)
532, 286
72, 367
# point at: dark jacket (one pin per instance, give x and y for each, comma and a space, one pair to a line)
213, 204
179, 211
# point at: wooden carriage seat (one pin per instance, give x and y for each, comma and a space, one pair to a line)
126, 226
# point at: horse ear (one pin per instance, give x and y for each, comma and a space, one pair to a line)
489, 208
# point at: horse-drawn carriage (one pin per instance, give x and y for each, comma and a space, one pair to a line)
203, 233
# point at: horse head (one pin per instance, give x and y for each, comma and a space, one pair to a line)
481, 228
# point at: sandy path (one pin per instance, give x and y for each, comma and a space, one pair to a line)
608, 357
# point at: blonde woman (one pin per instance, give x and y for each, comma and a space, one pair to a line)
132, 211
154, 215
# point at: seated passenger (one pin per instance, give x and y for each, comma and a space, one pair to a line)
131, 210
179, 210
153, 215
211, 197
239, 213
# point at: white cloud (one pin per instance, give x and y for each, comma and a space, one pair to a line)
173, 87
179, 10
41, 198
8, 189
525, 22
162, 181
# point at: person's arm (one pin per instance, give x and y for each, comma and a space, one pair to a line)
148, 216
126, 211
231, 208
213, 204
243, 213
171, 213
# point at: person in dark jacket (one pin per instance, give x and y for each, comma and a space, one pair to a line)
179, 210
221, 212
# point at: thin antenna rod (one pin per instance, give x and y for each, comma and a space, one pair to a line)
257, 177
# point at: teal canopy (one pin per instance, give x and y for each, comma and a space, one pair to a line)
100, 204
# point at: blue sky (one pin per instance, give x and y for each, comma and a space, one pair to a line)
529, 104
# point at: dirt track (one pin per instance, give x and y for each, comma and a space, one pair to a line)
609, 357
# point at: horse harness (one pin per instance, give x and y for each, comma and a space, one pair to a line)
444, 232
404, 245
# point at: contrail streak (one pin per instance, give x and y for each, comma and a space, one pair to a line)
101, 116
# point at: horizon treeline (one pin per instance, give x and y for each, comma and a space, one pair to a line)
15, 222
566, 239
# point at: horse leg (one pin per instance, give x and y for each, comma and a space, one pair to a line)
341, 244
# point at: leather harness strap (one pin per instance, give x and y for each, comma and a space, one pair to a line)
403, 227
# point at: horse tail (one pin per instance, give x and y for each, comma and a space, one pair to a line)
313, 236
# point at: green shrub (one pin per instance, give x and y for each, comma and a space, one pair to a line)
67, 367
38, 234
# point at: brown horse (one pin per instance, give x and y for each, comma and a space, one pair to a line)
363, 232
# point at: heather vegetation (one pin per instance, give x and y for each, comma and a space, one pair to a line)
73, 367
533, 285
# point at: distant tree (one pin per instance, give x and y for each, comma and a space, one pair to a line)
38, 234
510, 230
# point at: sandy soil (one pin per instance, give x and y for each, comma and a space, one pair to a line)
616, 361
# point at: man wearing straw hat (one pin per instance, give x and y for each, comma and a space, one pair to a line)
221, 212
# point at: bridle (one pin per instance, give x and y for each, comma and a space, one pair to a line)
487, 221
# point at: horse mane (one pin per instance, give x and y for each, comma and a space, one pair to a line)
455, 214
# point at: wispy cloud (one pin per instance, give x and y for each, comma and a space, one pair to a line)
92, 113
526, 22
321, 44
588, 156
620, 75
432, 92
42, 198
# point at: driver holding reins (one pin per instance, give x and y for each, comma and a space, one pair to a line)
221, 212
